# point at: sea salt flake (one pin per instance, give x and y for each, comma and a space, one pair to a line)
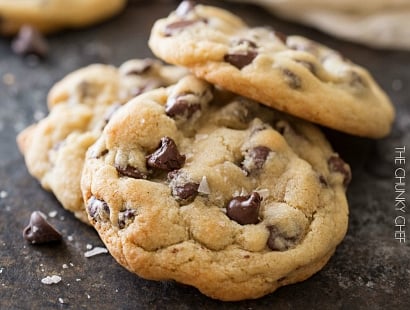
89, 246
61, 301
3, 194
96, 251
65, 266
70, 238
54, 279
203, 187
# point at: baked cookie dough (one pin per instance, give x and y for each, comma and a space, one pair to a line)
216, 191
80, 106
290, 73
52, 15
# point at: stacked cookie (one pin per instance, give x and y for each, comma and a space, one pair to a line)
210, 181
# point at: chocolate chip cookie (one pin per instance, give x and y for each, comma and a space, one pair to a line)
211, 189
50, 16
290, 73
80, 106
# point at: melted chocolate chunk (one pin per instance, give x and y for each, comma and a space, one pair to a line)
98, 209
130, 171
240, 60
174, 27
336, 164
126, 217
30, 41
278, 242
185, 7
180, 106
166, 157
292, 79
244, 209
39, 230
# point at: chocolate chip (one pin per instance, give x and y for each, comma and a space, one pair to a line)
126, 217
336, 164
174, 27
39, 230
241, 59
281, 36
30, 41
308, 65
111, 111
244, 209
246, 42
140, 67
322, 180
292, 79
259, 155
166, 157
357, 80
149, 85
130, 171
255, 159
182, 188
98, 209
180, 106
185, 7
278, 242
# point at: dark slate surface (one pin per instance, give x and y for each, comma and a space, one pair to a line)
370, 270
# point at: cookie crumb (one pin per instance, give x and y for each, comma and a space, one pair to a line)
3, 194
96, 251
397, 85
204, 186
9, 79
52, 214
54, 279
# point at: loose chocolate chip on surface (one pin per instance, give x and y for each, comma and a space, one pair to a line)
180, 106
39, 230
292, 79
185, 7
244, 209
126, 217
98, 209
240, 60
167, 156
30, 41
130, 171
336, 164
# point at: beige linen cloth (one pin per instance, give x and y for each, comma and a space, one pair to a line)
376, 23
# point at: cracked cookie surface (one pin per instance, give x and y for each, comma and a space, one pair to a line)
80, 106
198, 185
290, 73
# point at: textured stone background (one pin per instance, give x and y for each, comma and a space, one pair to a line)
370, 269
